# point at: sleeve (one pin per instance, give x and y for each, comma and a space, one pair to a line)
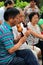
1, 15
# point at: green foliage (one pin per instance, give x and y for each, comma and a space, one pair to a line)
21, 4
41, 10
1, 4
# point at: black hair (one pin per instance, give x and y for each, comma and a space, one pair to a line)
32, 0
8, 2
32, 14
11, 13
37, 2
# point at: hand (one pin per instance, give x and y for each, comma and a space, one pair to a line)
23, 39
27, 33
19, 28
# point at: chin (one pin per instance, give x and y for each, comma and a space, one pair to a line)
13, 25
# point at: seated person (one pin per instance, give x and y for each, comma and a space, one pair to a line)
8, 55
40, 44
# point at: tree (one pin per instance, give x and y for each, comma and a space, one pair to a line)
41, 2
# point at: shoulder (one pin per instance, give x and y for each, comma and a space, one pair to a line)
3, 29
29, 24
26, 8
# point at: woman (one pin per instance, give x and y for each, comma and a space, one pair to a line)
40, 44
32, 7
33, 17
33, 40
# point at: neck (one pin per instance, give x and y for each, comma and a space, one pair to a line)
32, 6
9, 23
33, 24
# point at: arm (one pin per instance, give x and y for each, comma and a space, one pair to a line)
21, 41
16, 46
41, 26
36, 34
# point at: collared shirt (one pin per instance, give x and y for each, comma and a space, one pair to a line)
6, 42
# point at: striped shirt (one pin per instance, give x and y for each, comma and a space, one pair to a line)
6, 42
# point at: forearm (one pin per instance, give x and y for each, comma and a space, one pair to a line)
37, 35
14, 48
17, 45
21, 41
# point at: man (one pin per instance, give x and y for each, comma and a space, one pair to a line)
7, 46
7, 4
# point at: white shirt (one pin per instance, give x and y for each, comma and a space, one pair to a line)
16, 33
30, 10
31, 39
2, 10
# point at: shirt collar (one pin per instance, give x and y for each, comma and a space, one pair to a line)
7, 25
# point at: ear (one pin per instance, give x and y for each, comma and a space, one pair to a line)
7, 6
10, 19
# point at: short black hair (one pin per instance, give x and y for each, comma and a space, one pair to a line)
32, 14
8, 2
32, 0
10, 12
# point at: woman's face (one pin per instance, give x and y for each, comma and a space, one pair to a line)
32, 3
35, 19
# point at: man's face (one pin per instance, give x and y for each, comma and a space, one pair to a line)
18, 19
21, 16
